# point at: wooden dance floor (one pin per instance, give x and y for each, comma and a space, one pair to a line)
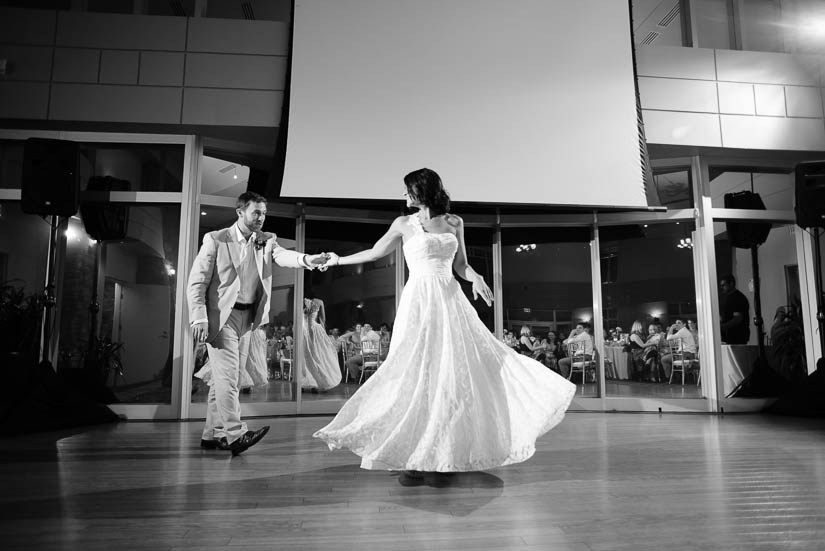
597, 482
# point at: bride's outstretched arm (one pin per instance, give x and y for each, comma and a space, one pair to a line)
382, 247
463, 268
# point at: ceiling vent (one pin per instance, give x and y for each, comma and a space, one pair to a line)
651, 36
248, 12
177, 8
671, 15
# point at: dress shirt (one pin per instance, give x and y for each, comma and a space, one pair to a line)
688, 342
584, 337
248, 269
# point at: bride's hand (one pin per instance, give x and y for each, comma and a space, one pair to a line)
332, 260
480, 288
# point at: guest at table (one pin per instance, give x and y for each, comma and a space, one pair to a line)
552, 350
528, 346
636, 348
579, 334
653, 353
679, 331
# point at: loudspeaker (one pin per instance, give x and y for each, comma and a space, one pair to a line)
745, 235
106, 221
51, 179
810, 194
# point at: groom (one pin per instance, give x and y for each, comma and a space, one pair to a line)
228, 293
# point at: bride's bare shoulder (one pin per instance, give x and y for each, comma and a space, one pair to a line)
453, 220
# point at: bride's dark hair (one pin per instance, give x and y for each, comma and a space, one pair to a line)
424, 185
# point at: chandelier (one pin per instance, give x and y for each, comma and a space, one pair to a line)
685, 243
525, 248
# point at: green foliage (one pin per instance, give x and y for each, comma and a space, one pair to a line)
20, 315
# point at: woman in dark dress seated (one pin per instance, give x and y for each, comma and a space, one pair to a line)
636, 347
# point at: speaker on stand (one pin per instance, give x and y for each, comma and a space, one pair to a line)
807, 399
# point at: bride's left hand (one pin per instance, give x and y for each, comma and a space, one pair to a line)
480, 288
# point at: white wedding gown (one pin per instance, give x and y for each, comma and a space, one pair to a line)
321, 370
450, 396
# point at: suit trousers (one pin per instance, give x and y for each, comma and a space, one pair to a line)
228, 351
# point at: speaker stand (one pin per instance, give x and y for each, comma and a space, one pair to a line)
49, 299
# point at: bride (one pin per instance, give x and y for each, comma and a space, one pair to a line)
449, 397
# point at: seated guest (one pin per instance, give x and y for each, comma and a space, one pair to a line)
386, 335
528, 345
679, 331
636, 347
579, 334
551, 350
355, 362
652, 353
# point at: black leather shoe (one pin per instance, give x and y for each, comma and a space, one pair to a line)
249, 439
216, 444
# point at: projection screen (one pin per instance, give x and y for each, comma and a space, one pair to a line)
517, 101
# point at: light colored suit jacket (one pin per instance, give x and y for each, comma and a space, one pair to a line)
214, 285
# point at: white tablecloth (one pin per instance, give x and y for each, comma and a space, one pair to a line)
620, 360
737, 363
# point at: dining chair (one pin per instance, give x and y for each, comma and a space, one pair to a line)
371, 356
287, 359
579, 361
682, 361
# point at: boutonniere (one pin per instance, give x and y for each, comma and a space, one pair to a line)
260, 242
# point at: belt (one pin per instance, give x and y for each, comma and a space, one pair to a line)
242, 306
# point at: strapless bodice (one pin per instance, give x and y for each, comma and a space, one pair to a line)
430, 254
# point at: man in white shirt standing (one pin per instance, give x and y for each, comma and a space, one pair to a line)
679, 331
578, 335
229, 292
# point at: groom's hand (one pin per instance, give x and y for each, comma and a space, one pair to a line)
317, 259
199, 331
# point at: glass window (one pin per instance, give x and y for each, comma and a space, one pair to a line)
776, 189
117, 298
133, 167
672, 186
779, 303
713, 24
11, 164
274, 362
761, 22
22, 280
223, 178
650, 287
355, 299
657, 23
547, 288
479, 245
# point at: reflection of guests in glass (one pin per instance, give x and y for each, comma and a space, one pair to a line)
636, 347
386, 335
527, 345
733, 309
551, 350
321, 371
653, 352
679, 331
356, 361
579, 334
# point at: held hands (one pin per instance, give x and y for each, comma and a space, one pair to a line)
199, 331
480, 288
317, 260
332, 259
